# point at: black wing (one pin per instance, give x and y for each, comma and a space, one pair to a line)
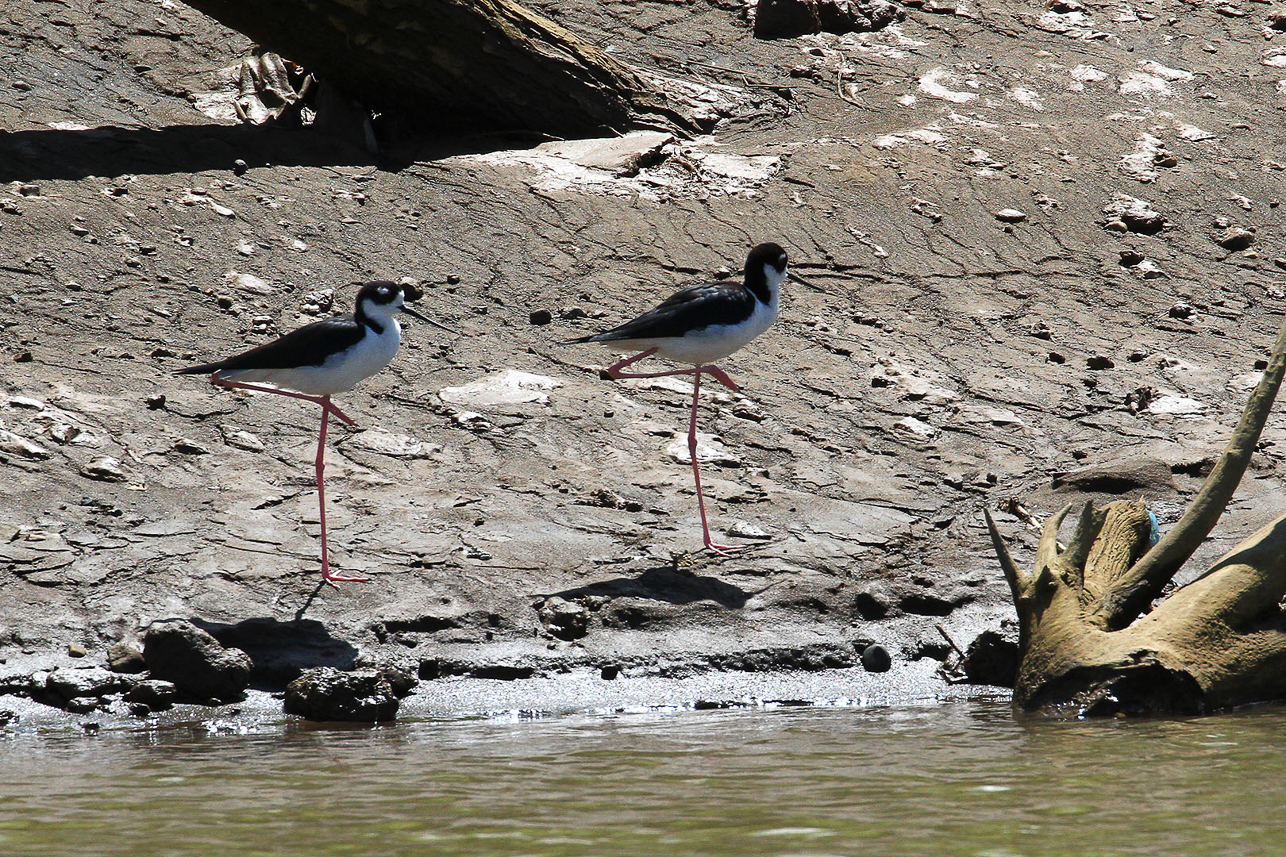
691, 309
309, 345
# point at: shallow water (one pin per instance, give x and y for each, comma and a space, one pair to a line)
959, 778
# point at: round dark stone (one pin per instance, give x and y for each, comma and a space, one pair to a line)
876, 659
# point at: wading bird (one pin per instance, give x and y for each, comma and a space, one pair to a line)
698, 326
318, 360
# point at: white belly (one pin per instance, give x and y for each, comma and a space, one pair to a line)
707, 344
339, 373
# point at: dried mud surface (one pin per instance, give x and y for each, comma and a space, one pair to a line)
956, 182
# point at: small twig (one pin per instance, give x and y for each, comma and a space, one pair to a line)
951, 642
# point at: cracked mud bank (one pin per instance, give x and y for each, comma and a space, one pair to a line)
1049, 239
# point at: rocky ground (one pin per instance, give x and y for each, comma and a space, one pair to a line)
1049, 241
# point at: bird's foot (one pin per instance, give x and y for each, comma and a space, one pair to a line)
332, 579
723, 550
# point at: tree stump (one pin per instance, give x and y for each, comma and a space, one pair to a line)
467, 65
1088, 644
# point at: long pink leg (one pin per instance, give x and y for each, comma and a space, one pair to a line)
324, 401
718, 374
319, 464
696, 474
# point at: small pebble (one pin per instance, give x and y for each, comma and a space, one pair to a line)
23, 356
76, 650
239, 167
1010, 215
541, 316
1099, 362
1055, 357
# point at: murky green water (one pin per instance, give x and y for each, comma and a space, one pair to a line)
962, 778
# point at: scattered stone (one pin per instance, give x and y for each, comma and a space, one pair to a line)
76, 650
876, 659
153, 694
1139, 400
23, 356
1099, 362
17, 445
84, 682
326, 694
241, 439
124, 658
1133, 215
1041, 330
610, 672
105, 469
1010, 215
239, 167
747, 530
403, 681
541, 316
1131, 257
155, 403
1181, 310
1236, 238
189, 447
178, 651
566, 620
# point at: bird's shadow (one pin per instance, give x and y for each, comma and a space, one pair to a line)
282, 650
663, 583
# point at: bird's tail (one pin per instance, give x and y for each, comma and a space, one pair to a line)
203, 369
580, 340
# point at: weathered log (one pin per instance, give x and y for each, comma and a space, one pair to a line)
1218, 642
465, 65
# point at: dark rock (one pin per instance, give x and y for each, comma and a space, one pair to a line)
155, 694
876, 659
541, 316
1099, 362
926, 604
326, 694
565, 619
124, 658
609, 672
785, 19
1055, 357
178, 651
1119, 476
871, 605
403, 681
1130, 258
992, 658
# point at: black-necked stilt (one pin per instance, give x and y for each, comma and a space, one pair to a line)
318, 360
699, 325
